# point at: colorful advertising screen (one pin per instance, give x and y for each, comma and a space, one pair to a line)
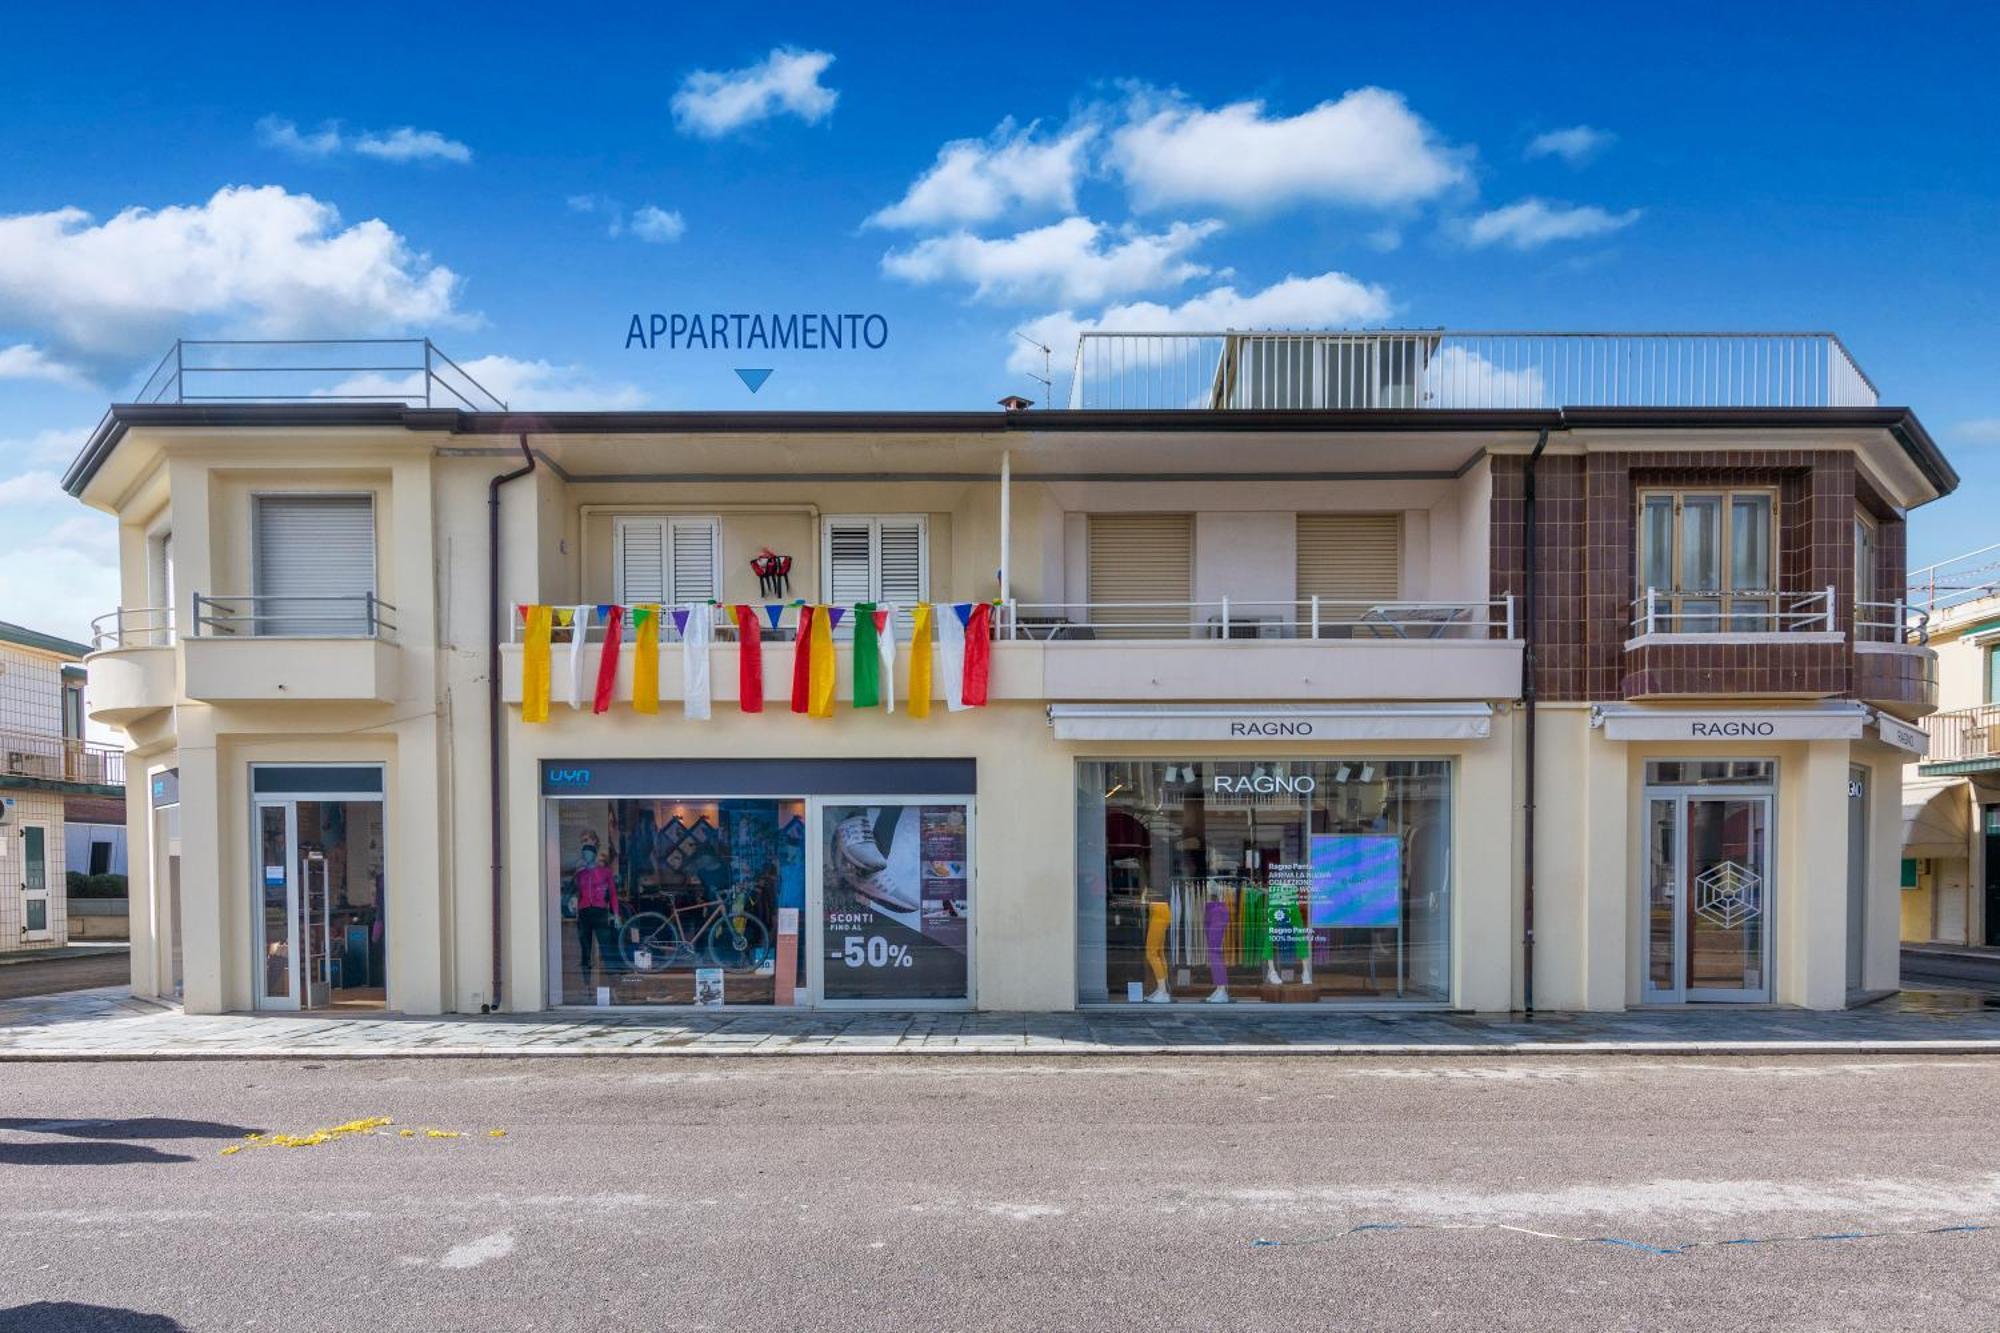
1357, 881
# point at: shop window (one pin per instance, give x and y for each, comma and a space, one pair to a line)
1710, 773
1705, 558
1274, 881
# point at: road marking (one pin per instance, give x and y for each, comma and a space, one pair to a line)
476, 1252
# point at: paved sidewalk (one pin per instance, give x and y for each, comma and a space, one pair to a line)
111, 1024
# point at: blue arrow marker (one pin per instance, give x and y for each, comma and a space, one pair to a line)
753, 380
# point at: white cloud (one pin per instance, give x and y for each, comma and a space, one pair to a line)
1534, 222
711, 104
977, 180
648, 223
1367, 150
1979, 430
658, 225
252, 261
25, 361
36, 487
44, 447
1329, 300
1075, 260
525, 386
1575, 145
404, 144
1457, 377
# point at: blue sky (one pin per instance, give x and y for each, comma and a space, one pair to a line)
519, 185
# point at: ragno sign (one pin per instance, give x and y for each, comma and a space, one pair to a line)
1802, 725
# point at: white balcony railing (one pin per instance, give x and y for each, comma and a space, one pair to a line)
133, 627
1437, 368
1668, 611
1891, 622
60, 759
1963, 735
1237, 619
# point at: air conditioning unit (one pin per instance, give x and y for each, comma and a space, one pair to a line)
28, 763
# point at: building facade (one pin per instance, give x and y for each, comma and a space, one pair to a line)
1951, 794
51, 780
1464, 671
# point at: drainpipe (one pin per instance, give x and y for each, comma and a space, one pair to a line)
494, 626
1528, 673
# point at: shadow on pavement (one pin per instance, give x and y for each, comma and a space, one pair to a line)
70, 1317
107, 1142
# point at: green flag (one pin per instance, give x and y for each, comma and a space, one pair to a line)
867, 658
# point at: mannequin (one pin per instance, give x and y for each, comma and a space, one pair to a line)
1215, 925
1158, 915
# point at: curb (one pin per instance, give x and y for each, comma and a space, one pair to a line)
170, 1055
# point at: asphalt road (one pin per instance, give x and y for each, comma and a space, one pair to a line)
983, 1193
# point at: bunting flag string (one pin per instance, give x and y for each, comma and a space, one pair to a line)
607, 657
951, 647
921, 637
646, 658
867, 658
749, 659
535, 637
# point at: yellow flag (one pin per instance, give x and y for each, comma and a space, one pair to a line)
922, 632
646, 659
535, 665
819, 700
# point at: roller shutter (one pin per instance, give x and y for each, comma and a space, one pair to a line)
1350, 557
1142, 573
314, 559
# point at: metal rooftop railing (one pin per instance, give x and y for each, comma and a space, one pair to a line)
1437, 368
411, 371
1956, 582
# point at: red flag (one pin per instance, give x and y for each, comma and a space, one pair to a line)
749, 660
607, 657
978, 653
802, 664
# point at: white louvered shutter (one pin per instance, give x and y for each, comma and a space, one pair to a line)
849, 560
314, 564
1142, 573
901, 562
696, 573
642, 561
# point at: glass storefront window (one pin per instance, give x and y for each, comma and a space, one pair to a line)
1709, 772
680, 901
896, 885
1275, 881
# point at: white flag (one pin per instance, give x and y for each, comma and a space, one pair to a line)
951, 652
885, 642
694, 659
579, 630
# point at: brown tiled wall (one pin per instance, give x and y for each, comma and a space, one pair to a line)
1586, 576
1905, 683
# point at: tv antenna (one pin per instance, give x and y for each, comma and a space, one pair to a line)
1046, 378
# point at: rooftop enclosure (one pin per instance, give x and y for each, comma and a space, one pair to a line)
1422, 368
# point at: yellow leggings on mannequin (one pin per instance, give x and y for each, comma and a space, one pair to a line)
1157, 916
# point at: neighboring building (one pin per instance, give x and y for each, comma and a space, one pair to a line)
1951, 796
48, 772
1256, 732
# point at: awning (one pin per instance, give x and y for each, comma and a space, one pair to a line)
1836, 721
1936, 822
1276, 723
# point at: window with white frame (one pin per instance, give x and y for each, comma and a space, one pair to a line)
671, 559
1706, 559
874, 558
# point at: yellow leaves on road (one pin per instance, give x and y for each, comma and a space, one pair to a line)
362, 1128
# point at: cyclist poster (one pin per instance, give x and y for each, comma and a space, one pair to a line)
895, 885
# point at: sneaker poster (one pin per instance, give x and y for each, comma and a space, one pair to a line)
895, 899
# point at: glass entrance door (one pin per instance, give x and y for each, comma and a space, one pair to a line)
1707, 896
321, 911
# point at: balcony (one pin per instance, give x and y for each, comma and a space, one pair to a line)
1440, 369
330, 649
1231, 651
1756, 643
1963, 741
132, 667
60, 760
